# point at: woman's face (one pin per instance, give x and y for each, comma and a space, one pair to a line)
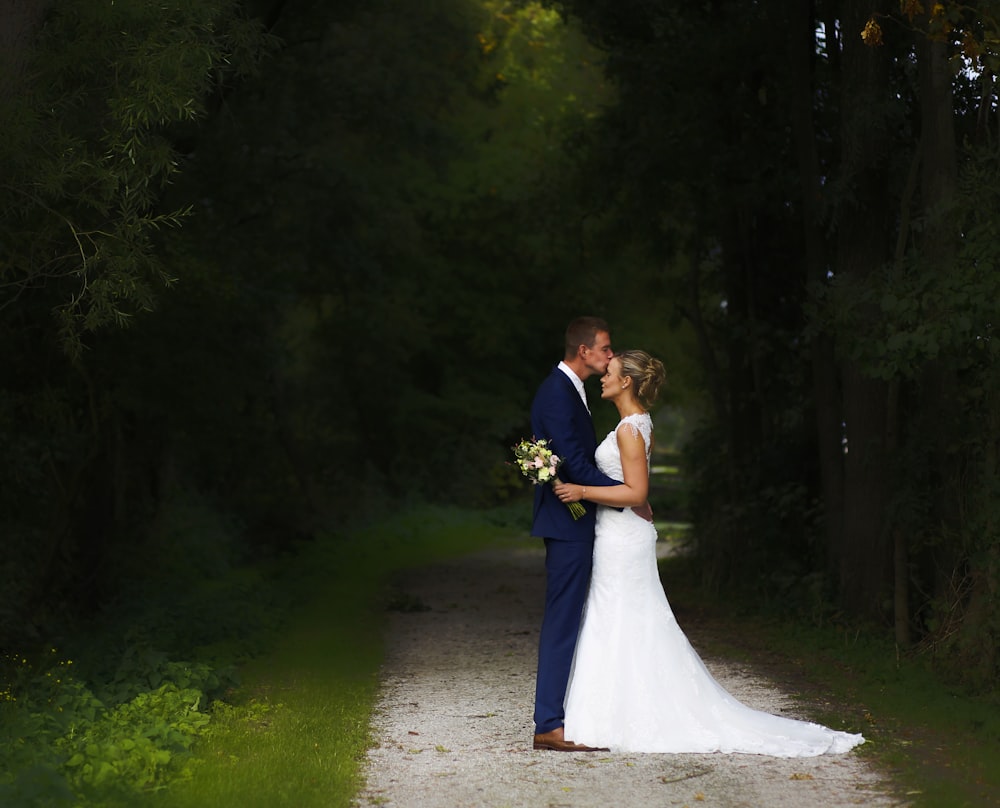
611, 381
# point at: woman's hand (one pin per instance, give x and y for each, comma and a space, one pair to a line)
568, 492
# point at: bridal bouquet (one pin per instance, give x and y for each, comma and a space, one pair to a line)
539, 464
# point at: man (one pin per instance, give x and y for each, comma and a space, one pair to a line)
560, 415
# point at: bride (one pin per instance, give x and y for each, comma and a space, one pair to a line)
636, 683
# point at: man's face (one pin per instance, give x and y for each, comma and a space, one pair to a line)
599, 354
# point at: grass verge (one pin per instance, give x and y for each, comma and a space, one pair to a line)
296, 729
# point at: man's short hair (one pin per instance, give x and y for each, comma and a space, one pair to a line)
583, 331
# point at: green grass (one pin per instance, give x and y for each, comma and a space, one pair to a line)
296, 730
942, 743
291, 733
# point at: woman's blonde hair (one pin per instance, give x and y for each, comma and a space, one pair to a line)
646, 373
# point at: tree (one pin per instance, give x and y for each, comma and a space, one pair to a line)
87, 147
90, 98
366, 218
813, 237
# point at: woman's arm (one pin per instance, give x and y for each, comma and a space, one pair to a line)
633, 491
549, 420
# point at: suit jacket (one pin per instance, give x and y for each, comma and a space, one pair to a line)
559, 416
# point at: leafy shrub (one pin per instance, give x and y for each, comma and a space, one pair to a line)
62, 744
136, 746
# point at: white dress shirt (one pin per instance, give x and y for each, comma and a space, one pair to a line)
577, 382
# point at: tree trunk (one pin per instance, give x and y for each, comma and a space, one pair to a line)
938, 180
744, 404
691, 311
862, 249
900, 550
825, 384
865, 556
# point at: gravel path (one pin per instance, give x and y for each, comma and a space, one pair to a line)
453, 726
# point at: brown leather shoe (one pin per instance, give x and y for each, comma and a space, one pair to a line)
556, 742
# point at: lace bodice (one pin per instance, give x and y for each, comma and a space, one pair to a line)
607, 456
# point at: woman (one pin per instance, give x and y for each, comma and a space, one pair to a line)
636, 684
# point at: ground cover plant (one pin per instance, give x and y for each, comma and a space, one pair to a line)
113, 704
149, 707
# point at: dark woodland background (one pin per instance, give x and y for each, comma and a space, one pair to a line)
296, 264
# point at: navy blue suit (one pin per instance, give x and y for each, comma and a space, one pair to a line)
558, 415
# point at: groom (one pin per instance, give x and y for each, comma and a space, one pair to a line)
559, 414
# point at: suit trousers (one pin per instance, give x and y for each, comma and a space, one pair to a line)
567, 569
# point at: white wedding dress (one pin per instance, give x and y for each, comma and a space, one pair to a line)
636, 684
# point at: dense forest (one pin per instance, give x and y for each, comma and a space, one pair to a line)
303, 262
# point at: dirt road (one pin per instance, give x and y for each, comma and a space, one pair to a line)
454, 723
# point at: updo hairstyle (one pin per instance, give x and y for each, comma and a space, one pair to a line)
646, 373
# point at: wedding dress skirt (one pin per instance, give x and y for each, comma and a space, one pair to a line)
636, 684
